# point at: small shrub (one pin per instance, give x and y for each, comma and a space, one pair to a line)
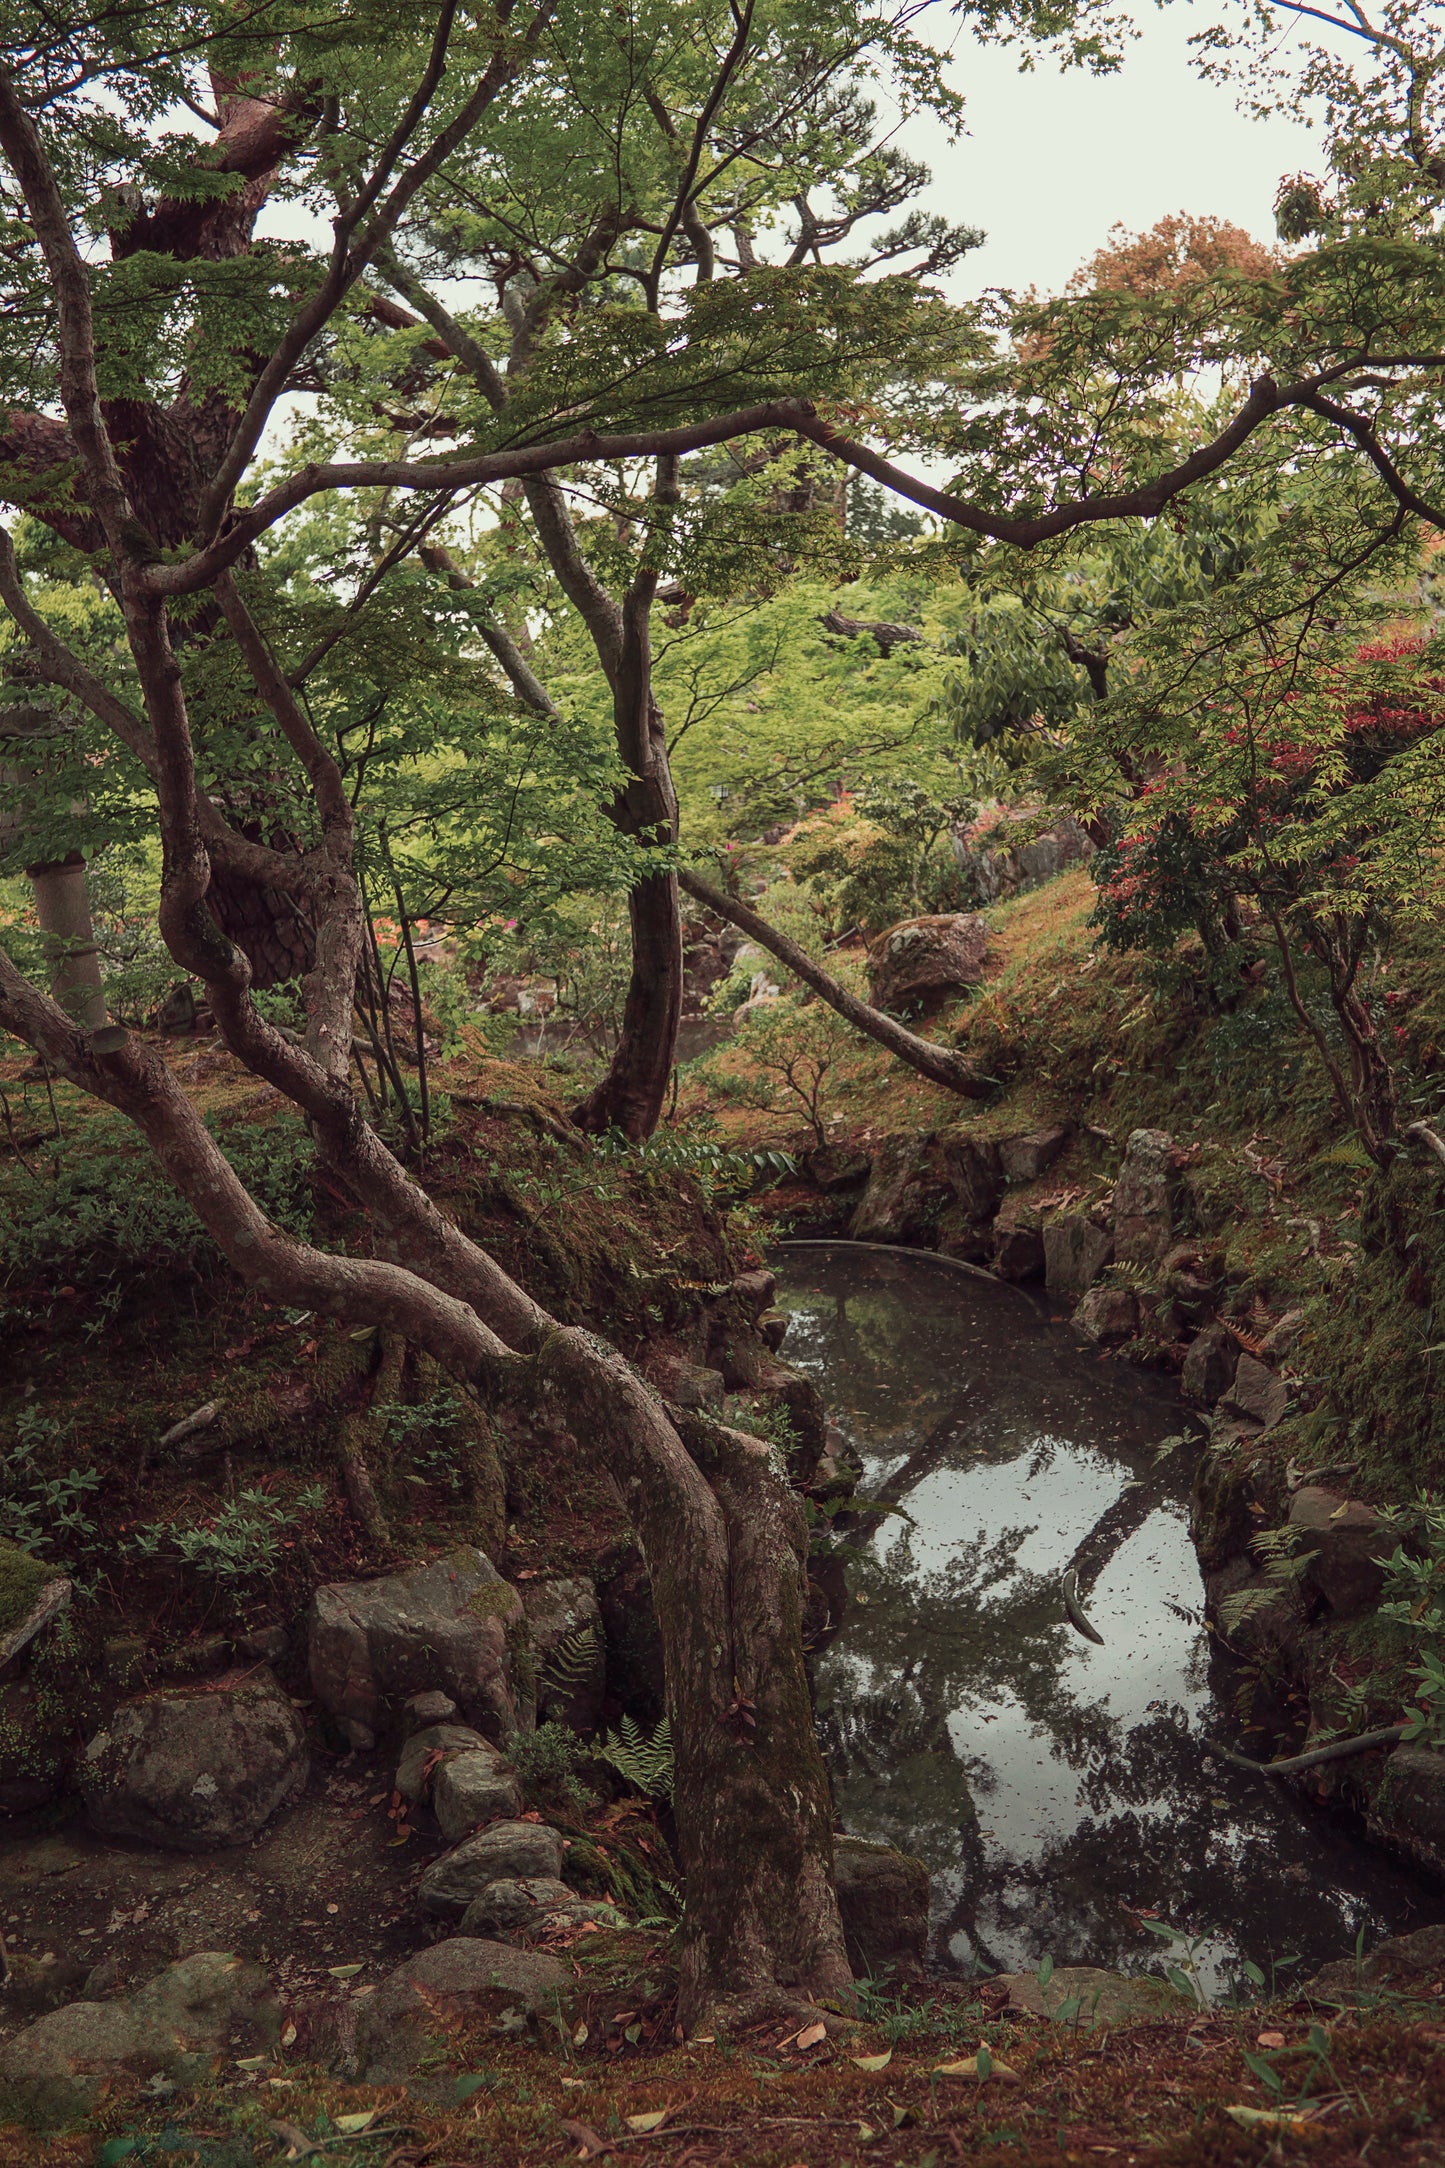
547, 1761
241, 1542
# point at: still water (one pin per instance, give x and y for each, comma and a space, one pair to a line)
1056, 1790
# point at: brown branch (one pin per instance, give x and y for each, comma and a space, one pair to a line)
1363, 431
728, 67
1337, 1750
114, 1066
538, 460
329, 991
60, 667
351, 256
80, 394
938, 1063
524, 680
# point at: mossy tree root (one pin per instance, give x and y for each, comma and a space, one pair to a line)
359, 1436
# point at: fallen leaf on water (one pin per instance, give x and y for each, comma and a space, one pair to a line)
968, 2068
654, 2120
1268, 2119
1269, 2040
810, 2036
874, 2062
353, 2125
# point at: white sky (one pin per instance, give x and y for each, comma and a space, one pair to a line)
1052, 160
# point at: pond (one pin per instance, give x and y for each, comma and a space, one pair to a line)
1058, 1791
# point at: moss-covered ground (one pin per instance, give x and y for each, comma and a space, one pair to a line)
1351, 2087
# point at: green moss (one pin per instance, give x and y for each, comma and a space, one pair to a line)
494, 1599
21, 1579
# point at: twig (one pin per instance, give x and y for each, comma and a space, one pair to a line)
15, 1144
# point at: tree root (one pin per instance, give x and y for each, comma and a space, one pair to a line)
358, 1434
725, 2016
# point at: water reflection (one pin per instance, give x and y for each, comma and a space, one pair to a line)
1056, 1790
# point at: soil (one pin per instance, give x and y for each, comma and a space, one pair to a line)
326, 1884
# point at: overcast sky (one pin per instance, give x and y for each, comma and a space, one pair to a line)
1052, 160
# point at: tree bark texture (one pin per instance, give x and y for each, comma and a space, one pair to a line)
62, 907
938, 1063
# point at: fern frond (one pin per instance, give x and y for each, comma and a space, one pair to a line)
573, 1661
646, 1764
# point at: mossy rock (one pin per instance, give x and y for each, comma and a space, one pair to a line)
22, 1576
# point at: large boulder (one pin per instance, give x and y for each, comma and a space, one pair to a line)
32, 1597
905, 1196
1209, 1366
1018, 1241
416, 2013
1108, 1315
473, 1788
1408, 1809
883, 1902
465, 1779
192, 1769
1344, 1540
1075, 1253
1024, 1158
971, 1167
1256, 1397
1093, 1997
923, 958
533, 1905
446, 1625
1398, 1965
1144, 1198
180, 2026
569, 1651
505, 1852
425, 1752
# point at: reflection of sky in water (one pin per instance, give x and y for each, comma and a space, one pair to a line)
1054, 1787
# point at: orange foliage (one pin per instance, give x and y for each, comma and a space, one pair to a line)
1178, 251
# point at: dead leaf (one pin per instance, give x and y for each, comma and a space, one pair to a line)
1268, 2119
354, 2125
968, 2068
585, 2137
1269, 2040
810, 2036
873, 2062
654, 2120
296, 2142
343, 1972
